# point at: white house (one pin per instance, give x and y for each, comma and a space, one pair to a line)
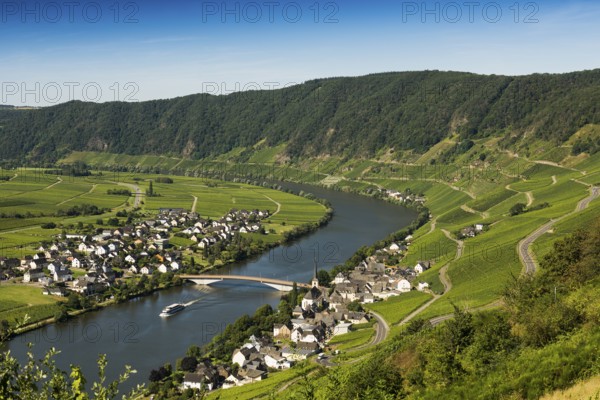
76, 263
478, 227
308, 333
241, 356
54, 266
194, 381
32, 276
163, 268
174, 266
422, 286
404, 286
233, 380
129, 259
84, 248
62, 276
145, 270
421, 267
276, 361
342, 328
340, 278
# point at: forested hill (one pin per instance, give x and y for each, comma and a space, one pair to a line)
337, 116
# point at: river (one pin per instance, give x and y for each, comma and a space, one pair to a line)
132, 333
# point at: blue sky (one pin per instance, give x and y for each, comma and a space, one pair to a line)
53, 51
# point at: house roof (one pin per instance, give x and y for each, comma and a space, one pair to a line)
254, 373
193, 377
313, 346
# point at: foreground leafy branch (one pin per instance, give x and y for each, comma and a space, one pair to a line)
42, 379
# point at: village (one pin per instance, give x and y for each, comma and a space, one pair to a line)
323, 312
135, 249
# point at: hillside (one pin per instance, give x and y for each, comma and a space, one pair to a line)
398, 113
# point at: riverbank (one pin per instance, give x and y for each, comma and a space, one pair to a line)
358, 220
117, 295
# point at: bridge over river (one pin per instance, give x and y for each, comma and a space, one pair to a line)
281, 285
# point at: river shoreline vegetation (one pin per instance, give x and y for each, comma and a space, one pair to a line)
283, 227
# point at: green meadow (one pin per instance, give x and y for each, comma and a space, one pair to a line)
396, 308
353, 339
266, 388
16, 301
33, 193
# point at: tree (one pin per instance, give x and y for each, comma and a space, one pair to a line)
150, 190
42, 379
460, 329
194, 351
61, 315
189, 364
157, 375
5, 330
293, 296
517, 209
355, 306
73, 301
324, 278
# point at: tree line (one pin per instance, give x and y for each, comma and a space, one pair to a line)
338, 116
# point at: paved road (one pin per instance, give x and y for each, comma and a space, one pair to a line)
136, 189
525, 255
583, 204
382, 329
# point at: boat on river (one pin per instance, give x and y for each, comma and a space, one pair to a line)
172, 309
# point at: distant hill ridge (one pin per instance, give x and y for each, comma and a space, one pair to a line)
349, 117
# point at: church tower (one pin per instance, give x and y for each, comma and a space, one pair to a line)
315, 280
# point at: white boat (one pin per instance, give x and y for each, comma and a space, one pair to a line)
172, 309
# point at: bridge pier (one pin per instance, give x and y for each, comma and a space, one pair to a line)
205, 281
281, 288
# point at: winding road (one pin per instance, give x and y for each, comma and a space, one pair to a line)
523, 248
382, 329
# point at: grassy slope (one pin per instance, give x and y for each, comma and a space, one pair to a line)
396, 308
18, 300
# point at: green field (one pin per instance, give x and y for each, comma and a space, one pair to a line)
394, 309
265, 388
30, 192
18, 300
353, 339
